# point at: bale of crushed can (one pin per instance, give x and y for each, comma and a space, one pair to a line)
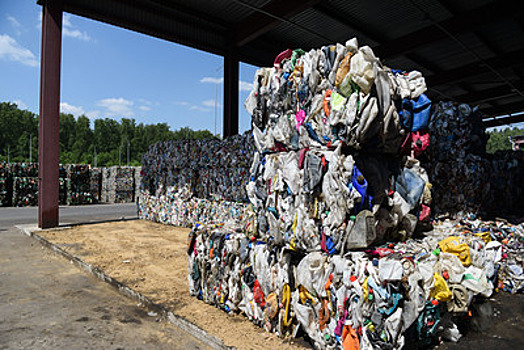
25, 191
63, 184
79, 185
95, 184
25, 184
6, 185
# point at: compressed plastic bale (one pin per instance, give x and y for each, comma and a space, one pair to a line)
361, 69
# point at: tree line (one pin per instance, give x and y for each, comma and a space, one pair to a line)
109, 140
499, 138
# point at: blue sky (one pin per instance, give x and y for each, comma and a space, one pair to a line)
112, 72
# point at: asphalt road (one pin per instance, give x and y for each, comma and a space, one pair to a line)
69, 214
47, 303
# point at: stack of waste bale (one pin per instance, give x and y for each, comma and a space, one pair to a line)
190, 181
457, 162
336, 192
337, 134
6, 185
25, 184
63, 184
79, 184
138, 179
118, 184
506, 183
409, 293
105, 185
95, 184
182, 209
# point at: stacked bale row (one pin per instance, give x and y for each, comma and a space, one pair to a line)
118, 184
335, 175
384, 297
78, 184
185, 181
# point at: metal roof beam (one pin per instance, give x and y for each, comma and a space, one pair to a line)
351, 22
504, 121
489, 94
469, 70
268, 17
465, 22
510, 108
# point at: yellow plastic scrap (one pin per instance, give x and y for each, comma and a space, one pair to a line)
485, 236
286, 299
365, 289
294, 226
441, 290
453, 246
305, 295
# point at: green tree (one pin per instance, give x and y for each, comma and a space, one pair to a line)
499, 139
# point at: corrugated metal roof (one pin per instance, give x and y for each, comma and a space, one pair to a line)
408, 34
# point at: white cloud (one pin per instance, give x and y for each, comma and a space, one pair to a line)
12, 51
70, 30
212, 80
15, 24
144, 101
199, 108
211, 103
20, 104
75, 33
245, 86
144, 108
70, 109
93, 114
117, 106
242, 85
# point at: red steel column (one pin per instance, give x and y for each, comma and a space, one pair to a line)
231, 66
48, 142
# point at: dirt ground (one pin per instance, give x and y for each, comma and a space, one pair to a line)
151, 259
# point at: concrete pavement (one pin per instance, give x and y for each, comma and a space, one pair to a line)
50, 304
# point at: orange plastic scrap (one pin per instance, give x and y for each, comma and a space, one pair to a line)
453, 246
350, 339
326, 102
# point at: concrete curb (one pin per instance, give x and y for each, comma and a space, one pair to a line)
208, 339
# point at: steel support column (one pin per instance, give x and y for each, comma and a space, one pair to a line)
48, 142
231, 66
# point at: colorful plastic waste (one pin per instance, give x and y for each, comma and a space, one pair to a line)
326, 248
